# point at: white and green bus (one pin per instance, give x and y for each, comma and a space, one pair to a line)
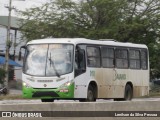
84, 70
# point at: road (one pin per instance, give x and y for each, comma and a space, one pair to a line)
18, 92
67, 101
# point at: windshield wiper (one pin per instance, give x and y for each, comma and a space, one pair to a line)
52, 63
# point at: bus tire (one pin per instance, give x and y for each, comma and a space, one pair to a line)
47, 100
91, 94
128, 93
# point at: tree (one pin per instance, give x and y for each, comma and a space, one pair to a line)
65, 18
134, 21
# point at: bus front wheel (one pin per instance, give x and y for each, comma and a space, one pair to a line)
90, 95
47, 100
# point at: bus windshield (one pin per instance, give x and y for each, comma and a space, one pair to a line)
48, 59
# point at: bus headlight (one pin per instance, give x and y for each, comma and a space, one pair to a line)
64, 87
26, 85
68, 83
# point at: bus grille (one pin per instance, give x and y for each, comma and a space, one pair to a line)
44, 81
45, 94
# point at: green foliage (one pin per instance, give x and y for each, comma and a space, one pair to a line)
2, 75
134, 21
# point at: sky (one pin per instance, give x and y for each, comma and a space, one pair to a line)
19, 4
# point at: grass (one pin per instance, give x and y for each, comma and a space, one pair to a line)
155, 91
11, 97
154, 94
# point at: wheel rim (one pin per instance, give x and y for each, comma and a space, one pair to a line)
90, 95
128, 93
128, 97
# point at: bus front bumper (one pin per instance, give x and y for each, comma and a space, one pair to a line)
44, 93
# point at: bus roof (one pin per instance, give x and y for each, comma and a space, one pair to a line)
75, 41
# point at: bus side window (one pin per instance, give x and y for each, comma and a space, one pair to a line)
80, 64
144, 57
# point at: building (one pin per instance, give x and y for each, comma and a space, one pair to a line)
15, 37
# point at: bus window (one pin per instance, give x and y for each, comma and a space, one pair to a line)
107, 57
134, 57
121, 58
93, 56
144, 64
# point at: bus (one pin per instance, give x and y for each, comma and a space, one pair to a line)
85, 70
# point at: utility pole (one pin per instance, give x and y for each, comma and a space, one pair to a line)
8, 46
15, 44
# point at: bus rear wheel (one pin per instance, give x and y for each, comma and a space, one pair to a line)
128, 93
47, 100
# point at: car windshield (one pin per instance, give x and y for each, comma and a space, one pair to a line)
48, 59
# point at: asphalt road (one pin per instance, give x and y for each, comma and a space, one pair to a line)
19, 92
66, 101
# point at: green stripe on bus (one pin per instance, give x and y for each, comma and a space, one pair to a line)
28, 92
